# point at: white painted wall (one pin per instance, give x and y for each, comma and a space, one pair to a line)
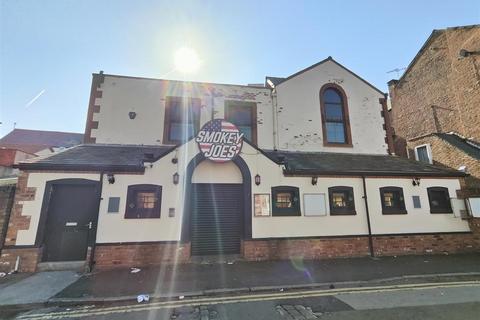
416, 220
33, 208
299, 120
146, 97
300, 126
113, 227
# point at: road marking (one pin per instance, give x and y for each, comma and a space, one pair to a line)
241, 298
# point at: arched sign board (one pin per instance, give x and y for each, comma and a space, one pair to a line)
219, 140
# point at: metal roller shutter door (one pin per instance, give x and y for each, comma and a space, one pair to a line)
216, 223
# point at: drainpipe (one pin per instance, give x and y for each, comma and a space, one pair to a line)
275, 119
370, 240
91, 261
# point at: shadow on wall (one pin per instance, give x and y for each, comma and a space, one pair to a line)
7, 194
400, 146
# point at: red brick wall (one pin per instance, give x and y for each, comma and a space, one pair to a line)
271, 249
129, 255
29, 258
445, 154
426, 244
17, 220
7, 194
439, 78
259, 250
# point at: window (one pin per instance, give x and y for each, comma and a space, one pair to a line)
143, 201
285, 201
439, 200
182, 119
392, 200
423, 153
334, 111
244, 116
341, 201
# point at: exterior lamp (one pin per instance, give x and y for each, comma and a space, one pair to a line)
132, 115
176, 178
257, 179
110, 178
416, 181
314, 181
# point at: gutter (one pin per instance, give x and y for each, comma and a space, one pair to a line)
370, 240
91, 261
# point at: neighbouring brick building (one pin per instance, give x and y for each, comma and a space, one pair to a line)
22, 144
299, 167
436, 103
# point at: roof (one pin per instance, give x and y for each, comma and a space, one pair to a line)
33, 141
274, 80
98, 157
130, 158
326, 163
431, 37
281, 80
468, 146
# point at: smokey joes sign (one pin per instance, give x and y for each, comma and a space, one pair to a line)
219, 140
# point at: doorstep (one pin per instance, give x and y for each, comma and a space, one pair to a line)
78, 266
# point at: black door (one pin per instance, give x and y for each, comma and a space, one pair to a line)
71, 218
216, 224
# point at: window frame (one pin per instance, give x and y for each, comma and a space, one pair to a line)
429, 152
444, 210
335, 211
143, 213
295, 210
168, 111
389, 210
228, 113
346, 118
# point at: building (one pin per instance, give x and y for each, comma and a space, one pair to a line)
435, 104
23, 144
298, 167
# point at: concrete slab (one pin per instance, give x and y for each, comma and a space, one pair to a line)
37, 288
405, 298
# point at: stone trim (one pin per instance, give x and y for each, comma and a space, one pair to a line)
93, 108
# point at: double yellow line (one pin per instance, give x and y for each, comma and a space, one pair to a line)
241, 298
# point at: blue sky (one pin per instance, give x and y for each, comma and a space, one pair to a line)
49, 49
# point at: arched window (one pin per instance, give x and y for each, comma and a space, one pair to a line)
334, 111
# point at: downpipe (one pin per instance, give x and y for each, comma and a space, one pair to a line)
370, 239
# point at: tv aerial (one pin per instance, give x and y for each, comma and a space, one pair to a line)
397, 71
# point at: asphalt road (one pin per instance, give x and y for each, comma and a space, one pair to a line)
448, 300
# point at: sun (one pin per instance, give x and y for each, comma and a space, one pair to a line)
186, 60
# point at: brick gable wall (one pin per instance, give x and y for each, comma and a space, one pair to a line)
440, 92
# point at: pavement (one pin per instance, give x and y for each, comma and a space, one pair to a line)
34, 288
228, 278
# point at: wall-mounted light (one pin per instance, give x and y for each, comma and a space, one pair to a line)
416, 181
258, 179
314, 181
110, 178
174, 160
176, 178
132, 115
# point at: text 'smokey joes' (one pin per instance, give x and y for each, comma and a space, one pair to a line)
219, 140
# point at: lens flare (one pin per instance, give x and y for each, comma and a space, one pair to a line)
186, 60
